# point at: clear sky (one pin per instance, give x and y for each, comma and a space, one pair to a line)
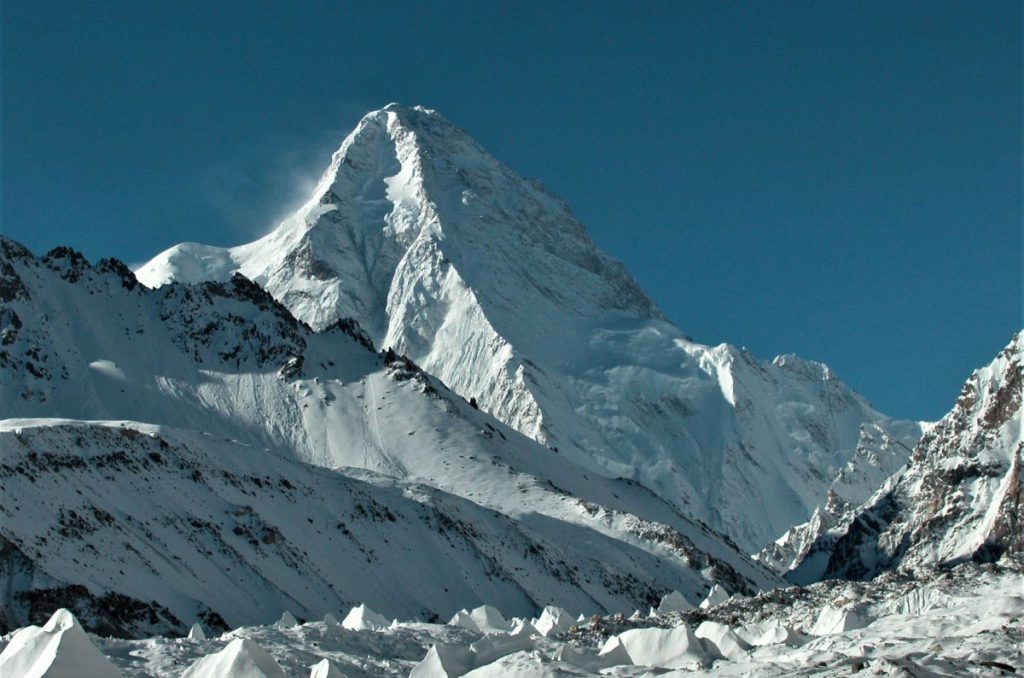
841, 180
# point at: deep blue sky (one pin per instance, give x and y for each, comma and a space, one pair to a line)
839, 180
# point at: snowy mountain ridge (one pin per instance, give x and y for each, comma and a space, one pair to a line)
958, 498
243, 400
490, 283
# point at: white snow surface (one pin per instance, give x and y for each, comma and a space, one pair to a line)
716, 596
362, 618
672, 648
490, 283
484, 619
325, 669
673, 601
241, 658
553, 620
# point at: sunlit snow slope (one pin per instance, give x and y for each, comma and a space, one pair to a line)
489, 282
280, 407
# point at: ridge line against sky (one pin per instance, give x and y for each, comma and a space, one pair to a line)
840, 182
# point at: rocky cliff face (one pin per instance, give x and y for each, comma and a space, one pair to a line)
489, 282
878, 456
959, 497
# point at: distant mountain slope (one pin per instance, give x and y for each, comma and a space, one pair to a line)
146, 529
878, 456
959, 497
269, 395
489, 282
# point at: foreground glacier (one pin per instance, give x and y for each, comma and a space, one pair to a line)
963, 621
490, 283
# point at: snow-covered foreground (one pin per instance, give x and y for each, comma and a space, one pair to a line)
964, 621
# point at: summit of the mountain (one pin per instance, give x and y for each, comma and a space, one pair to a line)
489, 282
408, 190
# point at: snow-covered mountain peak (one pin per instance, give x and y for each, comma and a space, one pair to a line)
490, 283
407, 191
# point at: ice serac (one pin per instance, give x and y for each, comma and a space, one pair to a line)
959, 498
489, 282
241, 658
60, 649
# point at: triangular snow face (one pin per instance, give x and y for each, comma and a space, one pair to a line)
716, 596
489, 282
675, 648
325, 669
60, 649
286, 621
444, 661
831, 620
483, 619
554, 620
613, 653
241, 658
362, 618
196, 633
674, 602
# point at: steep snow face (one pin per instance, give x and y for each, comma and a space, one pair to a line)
242, 658
958, 498
87, 342
490, 283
